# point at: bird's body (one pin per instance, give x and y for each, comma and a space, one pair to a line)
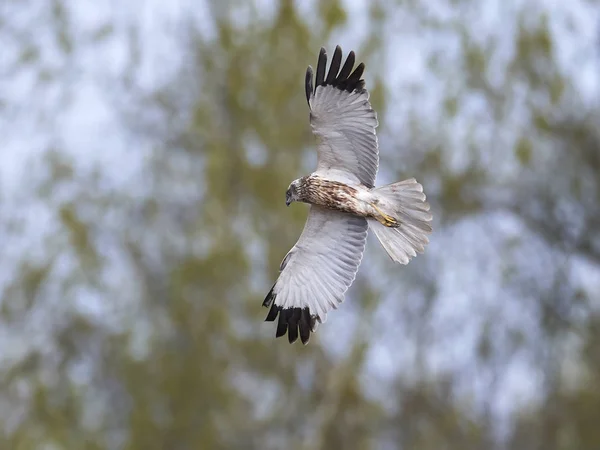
355, 199
318, 270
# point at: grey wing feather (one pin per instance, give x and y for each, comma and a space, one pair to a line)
317, 271
344, 122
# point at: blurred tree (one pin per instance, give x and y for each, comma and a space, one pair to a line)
133, 320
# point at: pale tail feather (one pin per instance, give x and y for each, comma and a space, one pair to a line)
406, 202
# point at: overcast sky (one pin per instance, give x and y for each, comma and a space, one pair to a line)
90, 131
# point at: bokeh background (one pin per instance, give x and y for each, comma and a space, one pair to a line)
145, 150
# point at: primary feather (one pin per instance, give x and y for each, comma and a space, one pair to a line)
318, 270
343, 121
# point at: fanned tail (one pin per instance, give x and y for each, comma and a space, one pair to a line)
405, 202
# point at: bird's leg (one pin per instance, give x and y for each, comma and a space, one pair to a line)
385, 219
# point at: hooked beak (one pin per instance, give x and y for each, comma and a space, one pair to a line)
287, 202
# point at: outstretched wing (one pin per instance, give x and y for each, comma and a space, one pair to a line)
316, 272
343, 121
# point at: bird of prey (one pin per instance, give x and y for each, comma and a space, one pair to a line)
344, 203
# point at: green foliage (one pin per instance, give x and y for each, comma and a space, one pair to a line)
138, 324
523, 151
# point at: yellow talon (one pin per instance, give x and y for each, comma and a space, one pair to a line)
384, 219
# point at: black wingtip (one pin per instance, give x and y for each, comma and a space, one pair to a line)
270, 298
272, 313
308, 83
293, 320
321, 67
296, 322
334, 68
343, 79
305, 325
354, 79
282, 325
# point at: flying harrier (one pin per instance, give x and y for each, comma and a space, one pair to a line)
319, 269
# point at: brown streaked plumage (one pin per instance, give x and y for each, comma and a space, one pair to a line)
338, 196
330, 194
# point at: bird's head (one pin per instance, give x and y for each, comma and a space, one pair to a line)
291, 194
